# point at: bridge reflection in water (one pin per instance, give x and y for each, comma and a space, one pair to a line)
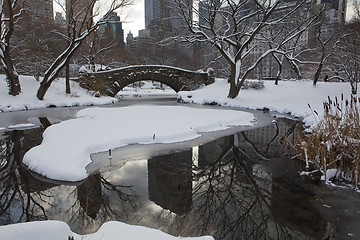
236, 187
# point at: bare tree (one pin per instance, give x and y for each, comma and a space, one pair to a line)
237, 28
346, 57
10, 13
326, 52
82, 26
34, 49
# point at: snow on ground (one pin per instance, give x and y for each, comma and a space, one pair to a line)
56, 230
288, 97
66, 147
148, 88
55, 96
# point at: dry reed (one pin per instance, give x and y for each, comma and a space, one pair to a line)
335, 142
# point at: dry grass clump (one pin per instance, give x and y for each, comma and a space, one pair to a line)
335, 142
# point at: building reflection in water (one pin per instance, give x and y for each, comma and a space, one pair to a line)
170, 181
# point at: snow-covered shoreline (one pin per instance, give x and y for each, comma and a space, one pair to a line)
55, 97
289, 97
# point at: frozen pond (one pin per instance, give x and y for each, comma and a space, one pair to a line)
237, 184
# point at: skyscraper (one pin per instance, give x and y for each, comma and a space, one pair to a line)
81, 11
38, 12
113, 30
161, 17
149, 12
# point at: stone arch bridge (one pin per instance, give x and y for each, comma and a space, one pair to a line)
112, 81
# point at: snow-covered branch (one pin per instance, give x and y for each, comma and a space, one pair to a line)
82, 25
246, 32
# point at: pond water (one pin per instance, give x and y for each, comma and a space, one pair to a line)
240, 186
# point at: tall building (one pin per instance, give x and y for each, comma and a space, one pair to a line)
113, 30
149, 12
81, 11
161, 18
334, 15
143, 44
59, 20
158, 17
38, 12
129, 38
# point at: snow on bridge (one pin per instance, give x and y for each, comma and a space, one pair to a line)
112, 81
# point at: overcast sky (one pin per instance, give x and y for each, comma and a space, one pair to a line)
133, 18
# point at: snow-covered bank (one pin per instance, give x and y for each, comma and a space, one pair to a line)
66, 147
56, 230
288, 97
55, 96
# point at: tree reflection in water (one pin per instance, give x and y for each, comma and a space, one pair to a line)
232, 192
228, 189
18, 190
24, 197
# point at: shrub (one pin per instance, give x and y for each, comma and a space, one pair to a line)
335, 142
257, 85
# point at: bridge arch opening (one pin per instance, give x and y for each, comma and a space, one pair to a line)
145, 88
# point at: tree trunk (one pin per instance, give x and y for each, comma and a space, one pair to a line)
44, 86
52, 73
234, 88
277, 80
233, 91
67, 78
11, 76
353, 87
318, 71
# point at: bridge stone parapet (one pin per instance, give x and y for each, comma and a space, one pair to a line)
112, 81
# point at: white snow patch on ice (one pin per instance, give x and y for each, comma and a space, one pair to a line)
57, 230
2, 128
330, 173
22, 126
66, 147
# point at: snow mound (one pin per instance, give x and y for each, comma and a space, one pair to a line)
114, 230
54, 230
57, 230
66, 147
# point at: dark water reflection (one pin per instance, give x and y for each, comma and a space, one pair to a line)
238, 187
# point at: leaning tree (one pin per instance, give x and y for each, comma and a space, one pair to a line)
81, 25
244, 32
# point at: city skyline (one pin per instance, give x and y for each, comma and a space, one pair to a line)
133, 17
